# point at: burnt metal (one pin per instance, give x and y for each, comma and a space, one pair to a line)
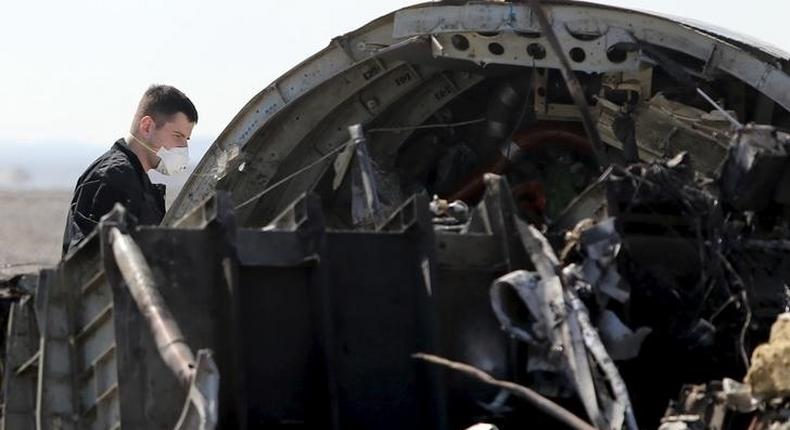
698, 407
755, 168
574, 87
169, 338
314, 310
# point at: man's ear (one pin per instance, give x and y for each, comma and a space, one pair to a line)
146, 126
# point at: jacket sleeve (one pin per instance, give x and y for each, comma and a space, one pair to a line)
96, 197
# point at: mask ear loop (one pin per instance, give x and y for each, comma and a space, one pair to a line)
146, 146
141, 142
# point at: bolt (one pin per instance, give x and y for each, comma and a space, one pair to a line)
372, 103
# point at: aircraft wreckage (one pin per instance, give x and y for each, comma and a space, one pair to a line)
484, 215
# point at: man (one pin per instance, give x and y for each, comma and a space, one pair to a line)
157, 140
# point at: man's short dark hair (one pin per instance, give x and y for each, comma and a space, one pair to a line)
161, 102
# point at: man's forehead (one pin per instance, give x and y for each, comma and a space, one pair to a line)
180, 123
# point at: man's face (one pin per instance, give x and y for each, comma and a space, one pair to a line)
173, 133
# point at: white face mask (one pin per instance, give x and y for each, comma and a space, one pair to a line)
172, 161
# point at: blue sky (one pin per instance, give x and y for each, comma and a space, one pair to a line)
73, 71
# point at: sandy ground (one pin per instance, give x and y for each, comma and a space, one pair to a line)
31, 229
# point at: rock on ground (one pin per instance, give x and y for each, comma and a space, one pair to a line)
769, 375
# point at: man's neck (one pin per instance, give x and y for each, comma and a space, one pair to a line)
141, 153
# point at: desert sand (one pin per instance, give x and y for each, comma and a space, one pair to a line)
31, 229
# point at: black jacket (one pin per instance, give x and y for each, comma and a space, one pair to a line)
115, 177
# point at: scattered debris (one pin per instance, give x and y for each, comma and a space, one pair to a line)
665, 128
544, 404
700, 407
641, 254
449, 216
562, 333
754, 175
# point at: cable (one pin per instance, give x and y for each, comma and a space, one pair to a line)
343, 146
726, 114
550, 408
677, 72
293, 175
32, 263
747, 306
425, 126
521, 116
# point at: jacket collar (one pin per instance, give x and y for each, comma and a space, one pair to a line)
120, 145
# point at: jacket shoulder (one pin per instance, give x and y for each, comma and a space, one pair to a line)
113, 168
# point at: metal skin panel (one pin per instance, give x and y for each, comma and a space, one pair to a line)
95, 346
423, 103
756, 66
333, 339
320, 137
78, 377
188, 268
502, 48
264, 151
56, 404
347, 52
20, 365
379, 106
379, 304
760, 71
